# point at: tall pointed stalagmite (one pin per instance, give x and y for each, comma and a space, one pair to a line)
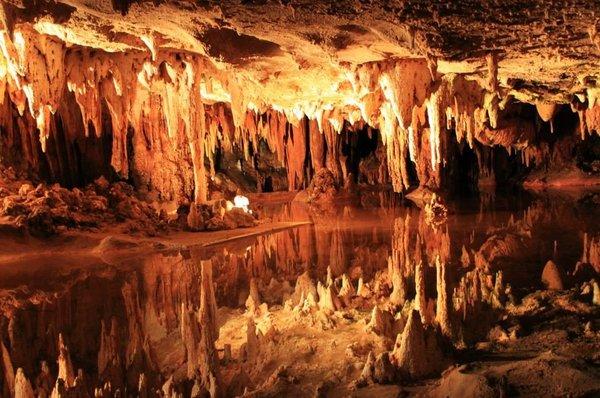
23, 387
417, 353
443, 307
398, 296
420, 295
253, 300
65, 366
8, 370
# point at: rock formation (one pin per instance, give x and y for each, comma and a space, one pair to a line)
23, 387
552, 276
417, 353
165, 99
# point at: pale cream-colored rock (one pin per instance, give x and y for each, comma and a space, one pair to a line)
65, 366
596, 293
381, 322
398, 296
362, 289
304, 287
443, 314
253, 300
347, 291
328, 299
23, 387
417, 353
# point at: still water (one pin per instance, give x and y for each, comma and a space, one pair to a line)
141, 297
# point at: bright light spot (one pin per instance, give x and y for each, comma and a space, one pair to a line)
241, 202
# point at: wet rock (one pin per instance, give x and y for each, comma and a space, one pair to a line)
25, 189
552, 276
498, 334
8, 370
143, 390
436, 213
217, 223
444, 305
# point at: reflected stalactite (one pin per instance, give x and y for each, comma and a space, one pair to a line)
202, 317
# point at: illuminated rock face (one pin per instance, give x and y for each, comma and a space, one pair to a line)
174, 86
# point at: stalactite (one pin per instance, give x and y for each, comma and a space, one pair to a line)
295, 153
169, 112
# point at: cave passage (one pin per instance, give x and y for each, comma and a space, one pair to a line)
299, 198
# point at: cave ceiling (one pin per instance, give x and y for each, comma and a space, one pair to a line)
302, 51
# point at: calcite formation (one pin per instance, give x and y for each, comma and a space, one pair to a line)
107, 88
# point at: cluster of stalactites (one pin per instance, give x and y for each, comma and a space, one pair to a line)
181, 108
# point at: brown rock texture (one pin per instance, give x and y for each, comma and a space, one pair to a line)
152, 91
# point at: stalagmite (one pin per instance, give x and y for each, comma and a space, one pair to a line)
44, 382
420, 302
552, 276
143, 387
328, 299
443, 309
363, 290
65, 367
381, 322
252, 346
253, 300
366, 376
304, 287
23, 387
596, 293
417, 353
8, 370
347, 291
109, 362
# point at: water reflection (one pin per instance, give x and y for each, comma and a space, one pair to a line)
143, 320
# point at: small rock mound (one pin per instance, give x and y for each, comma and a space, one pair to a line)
323, 187
552, 276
